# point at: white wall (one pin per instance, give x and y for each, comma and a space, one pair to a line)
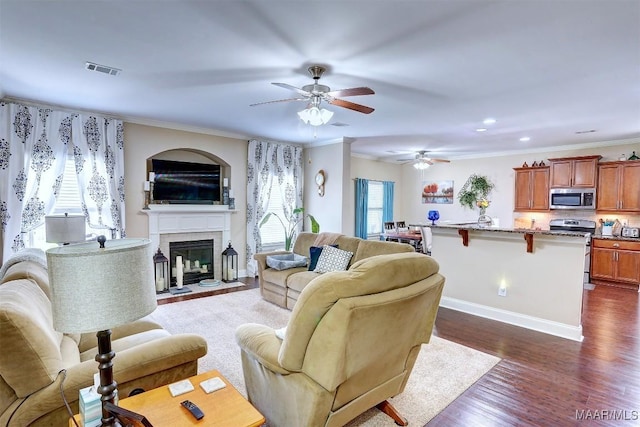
329, 210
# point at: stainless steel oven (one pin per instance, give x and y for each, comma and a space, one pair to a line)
582, 226
572, 198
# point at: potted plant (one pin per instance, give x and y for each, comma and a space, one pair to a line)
290, 227
475, 192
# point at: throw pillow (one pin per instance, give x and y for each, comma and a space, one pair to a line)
286, 261
333, 259
314, 254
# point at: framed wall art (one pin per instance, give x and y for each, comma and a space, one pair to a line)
439, 192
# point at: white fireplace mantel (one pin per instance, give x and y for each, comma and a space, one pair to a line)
169, 219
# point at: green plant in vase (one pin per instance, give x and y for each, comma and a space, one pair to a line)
290, 227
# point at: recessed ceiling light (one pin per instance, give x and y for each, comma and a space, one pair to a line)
489, 121
525, 139
481, 130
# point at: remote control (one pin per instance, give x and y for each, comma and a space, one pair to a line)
191, 407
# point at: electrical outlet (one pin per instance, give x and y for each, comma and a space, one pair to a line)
502, 291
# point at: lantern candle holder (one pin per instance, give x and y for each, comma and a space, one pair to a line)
161, 272
229, 264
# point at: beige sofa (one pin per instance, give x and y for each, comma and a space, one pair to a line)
350, 344
283, 287
36, 360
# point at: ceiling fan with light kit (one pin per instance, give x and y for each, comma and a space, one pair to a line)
422, 161
315, 93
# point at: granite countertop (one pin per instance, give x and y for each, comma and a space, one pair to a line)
476, 227
628, 239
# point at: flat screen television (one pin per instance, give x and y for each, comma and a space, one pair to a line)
186, 182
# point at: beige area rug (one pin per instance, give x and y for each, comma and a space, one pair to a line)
442, 372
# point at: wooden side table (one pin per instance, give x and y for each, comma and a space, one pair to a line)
224, 407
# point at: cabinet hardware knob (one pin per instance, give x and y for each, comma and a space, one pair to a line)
616, 245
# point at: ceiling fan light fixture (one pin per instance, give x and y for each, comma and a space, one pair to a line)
421, 164
315, 116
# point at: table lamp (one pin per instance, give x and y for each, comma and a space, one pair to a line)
96, 286
65, 228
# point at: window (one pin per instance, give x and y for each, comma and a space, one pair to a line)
375, 201
68, 201
271, 232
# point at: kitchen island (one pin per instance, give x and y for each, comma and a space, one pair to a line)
529, 278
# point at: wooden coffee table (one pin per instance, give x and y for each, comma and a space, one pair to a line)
224, 407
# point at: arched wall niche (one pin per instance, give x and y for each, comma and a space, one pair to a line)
191, 155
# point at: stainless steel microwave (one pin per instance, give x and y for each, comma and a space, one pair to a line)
572, 198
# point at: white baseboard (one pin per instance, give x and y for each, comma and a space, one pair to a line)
525, 321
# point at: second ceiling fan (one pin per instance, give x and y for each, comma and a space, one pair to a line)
422, 161
315, 93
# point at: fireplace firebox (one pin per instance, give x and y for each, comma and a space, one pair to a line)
197, 260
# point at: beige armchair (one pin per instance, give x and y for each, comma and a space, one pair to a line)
36, 361
350, 344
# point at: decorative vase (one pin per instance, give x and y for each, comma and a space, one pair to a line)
433, 216
484, 220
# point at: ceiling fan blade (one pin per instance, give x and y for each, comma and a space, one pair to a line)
355, 91
351, 105
293, 88
279, 100
439, 160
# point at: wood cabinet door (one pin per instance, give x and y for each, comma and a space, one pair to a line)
561, 174
608, 184
540, 189
603, 263
584, 173
628, 266
629, 188
522, 190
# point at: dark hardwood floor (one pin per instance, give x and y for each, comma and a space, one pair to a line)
544, 380
548, 381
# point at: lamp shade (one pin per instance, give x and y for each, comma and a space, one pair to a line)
65, 228
95, 289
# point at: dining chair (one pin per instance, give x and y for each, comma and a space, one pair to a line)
390, 227
426, 239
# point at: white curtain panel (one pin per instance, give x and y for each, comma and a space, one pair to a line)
266, 161
98, 151
34, 144
32, 156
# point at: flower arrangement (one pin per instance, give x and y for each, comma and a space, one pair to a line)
290, 228
483, 203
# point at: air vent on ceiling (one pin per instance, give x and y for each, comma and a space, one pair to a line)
102, 69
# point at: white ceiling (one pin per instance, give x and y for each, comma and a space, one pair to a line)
543, 69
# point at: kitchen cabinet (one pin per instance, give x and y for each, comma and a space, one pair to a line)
615, 262
577, 172
619, 186
531, 189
